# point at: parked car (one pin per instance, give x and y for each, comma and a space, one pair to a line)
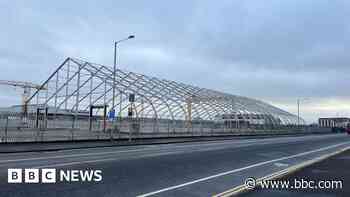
338, 130
348, 128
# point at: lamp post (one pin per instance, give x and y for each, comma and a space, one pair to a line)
298, 103
115, 68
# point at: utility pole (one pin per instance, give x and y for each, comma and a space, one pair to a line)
115, 69
298, 103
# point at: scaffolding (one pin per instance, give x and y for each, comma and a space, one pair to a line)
77, 86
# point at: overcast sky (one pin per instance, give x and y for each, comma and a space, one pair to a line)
273, 50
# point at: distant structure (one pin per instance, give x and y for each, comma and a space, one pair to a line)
27, 86
333, 122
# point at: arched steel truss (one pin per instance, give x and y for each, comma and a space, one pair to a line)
76, 85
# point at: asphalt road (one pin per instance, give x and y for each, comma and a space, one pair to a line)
335, 168
182, 169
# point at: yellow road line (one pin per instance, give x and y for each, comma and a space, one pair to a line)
242, 188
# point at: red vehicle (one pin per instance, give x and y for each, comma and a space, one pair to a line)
347, 128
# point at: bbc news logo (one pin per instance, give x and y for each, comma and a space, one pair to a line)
51, 175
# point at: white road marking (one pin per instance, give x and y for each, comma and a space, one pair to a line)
278, 164
239, 169
72, 155
127, 151
242, 143
141, 156
236, 190
96, 160
144, 155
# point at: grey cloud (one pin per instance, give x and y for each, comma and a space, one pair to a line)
265, 49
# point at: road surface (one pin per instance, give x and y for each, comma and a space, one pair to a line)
334, 170
182, 169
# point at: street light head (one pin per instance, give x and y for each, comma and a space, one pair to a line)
131, 37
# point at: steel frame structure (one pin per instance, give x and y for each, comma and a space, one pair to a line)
77, 84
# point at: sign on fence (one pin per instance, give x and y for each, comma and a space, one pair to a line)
111, 114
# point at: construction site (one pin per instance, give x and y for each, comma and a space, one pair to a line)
81, 100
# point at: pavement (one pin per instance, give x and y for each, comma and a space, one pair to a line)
203, 168
334, 168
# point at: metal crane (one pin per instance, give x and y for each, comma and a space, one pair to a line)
27, 86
